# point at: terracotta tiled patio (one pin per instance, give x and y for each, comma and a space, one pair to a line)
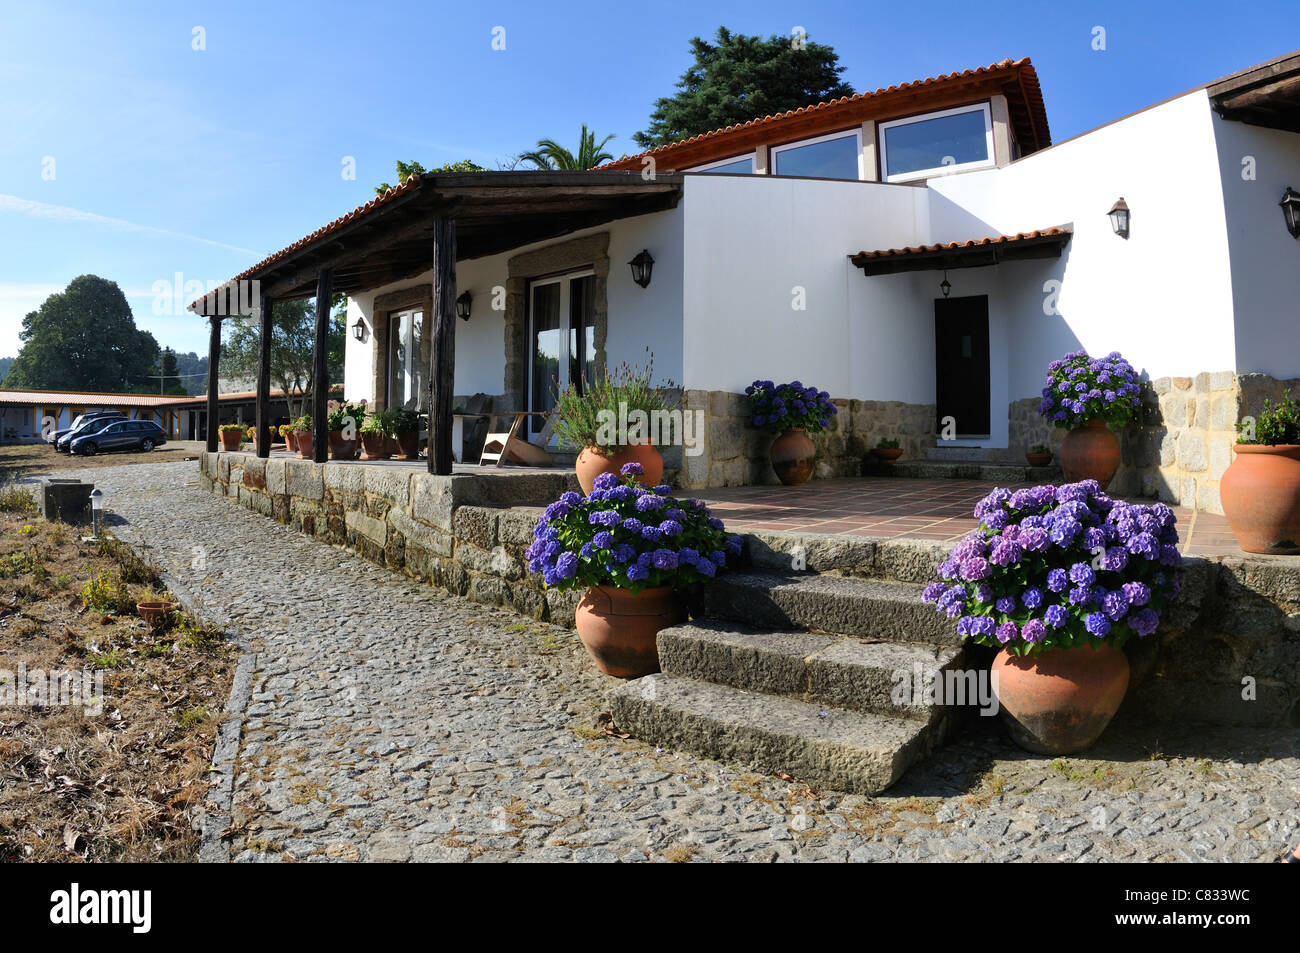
885, 507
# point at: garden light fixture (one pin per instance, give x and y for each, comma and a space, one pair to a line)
359, 330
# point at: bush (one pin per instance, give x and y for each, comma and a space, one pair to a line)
1081, 388
779, 407
1277, 425
16, 499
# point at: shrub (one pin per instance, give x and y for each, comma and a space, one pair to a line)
16, 499
373, 424
1082, 388
1059, 567
233, 428
780, 407
404, 421
627, 536
341, 414
887, 443
301, 424
591, 416
1278, 423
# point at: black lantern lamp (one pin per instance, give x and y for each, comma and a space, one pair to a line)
1291, 209
359, 330
944, 285
463, 303
642, 265
1119, 217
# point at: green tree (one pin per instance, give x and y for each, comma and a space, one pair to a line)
84, 339
552, 156
407, 169
293, 337
5, 364
193, 371
170, 373
737, 78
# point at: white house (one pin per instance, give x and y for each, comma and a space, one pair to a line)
920, 252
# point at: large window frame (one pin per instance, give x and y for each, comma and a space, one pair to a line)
881, 138
854, 133
721, 163
413, 368
564, 280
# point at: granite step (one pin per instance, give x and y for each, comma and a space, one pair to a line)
820, 669
859, 752
865, 608
1001, 474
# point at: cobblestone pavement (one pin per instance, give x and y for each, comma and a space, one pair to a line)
390, 721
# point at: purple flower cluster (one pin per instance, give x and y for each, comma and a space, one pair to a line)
1082, 388
779, 407
627, 536
1059, 566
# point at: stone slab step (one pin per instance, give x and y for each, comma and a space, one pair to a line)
859, 752
816, 668
865, 608
1001, 474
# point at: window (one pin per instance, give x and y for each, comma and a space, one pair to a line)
406, 364
837, 156
937, 143
562, 336
744, 165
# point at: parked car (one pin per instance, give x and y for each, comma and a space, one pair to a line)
93, 424
120, 435
81, 420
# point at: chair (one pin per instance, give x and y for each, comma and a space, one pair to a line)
502, 445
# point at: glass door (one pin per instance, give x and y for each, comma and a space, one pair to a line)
562, 339
407, 367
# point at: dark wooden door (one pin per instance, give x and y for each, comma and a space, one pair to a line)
961, 350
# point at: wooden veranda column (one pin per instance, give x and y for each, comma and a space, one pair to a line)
263, 413
214, 356
320, 376
442, 356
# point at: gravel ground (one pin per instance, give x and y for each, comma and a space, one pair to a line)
391, 721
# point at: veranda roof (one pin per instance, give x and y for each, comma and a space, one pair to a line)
975, 253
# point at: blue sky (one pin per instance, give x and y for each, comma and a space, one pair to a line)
168, 159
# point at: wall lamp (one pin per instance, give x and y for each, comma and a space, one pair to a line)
642, 265
359, 330
1291, 209
463, 304
1119, 217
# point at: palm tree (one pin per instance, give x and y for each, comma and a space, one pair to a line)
549, 154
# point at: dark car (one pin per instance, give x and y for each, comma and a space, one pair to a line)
91, 424
80, 421
120, 435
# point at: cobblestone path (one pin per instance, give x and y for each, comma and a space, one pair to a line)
390, 721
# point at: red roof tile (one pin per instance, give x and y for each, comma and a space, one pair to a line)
972, 243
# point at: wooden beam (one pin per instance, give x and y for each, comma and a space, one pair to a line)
381, 236
263, 412
214, 357
320, 375
442, 356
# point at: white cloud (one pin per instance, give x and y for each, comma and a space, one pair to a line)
62, 213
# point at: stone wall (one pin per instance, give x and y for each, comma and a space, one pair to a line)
736, 454
458, 532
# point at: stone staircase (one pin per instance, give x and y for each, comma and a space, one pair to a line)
794, 672
964, 463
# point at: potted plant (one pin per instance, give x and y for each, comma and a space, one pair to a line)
1260, 491
1039, 455
1084, 395
286, 434
613, 420
887, 451
303, 436
374, 434
792, 411
341, 424
232, 436
404, 428
636, 551
1057, 579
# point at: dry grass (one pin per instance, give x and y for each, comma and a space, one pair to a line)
121, 785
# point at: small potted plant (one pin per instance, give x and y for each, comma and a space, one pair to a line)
286, 434
342, 424
792, 411
232, 436
1084, 395
1039, 455
613, 421
374, 435
303, 439
1056, 579
404, 428
1260, 491
636, 552
887, 450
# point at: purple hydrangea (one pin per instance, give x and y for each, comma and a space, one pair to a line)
1033, 631
1006, 605
606, 518
974, 568
1115, 604
1097, 624
1058, 580
1008, 632
1144, 622
1056, 616
1032, 597
631, 469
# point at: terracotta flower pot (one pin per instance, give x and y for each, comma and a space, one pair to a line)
231, 439
341, 449
155, 613
887, 455
409, 444
1038, 459
792, 456
593, 461
1090, 453
1061, 701
376, 446
305, 443
619, 629
1260, 493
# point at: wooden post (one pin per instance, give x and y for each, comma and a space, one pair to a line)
263, 413
442, 356
214, 357
320, 378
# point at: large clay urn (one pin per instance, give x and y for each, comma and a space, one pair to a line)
1060, 701
593, 461
619, 629
1090, 453
792, 456
1260, 493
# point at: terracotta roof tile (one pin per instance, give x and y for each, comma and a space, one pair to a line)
1055, 231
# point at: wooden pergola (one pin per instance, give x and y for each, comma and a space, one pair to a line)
427, 222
